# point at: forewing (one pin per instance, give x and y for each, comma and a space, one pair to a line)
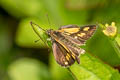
85, 32
76, 34
62, 57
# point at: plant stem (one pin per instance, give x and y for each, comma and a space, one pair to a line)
116, 47
73, 75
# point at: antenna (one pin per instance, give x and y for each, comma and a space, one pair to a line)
48, 20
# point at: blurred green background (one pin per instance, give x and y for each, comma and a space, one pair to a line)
23, 59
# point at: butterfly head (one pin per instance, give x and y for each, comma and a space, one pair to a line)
49, 32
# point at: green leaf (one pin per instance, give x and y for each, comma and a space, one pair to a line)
28, 69
90, 68
63, 15
93, 69
20, 8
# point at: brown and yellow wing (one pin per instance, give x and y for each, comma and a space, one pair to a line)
84, 33
67, 41
62, 56
78, 34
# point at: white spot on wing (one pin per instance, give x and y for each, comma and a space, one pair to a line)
66, 63
75, 37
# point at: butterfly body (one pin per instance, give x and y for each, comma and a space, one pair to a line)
67, 40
